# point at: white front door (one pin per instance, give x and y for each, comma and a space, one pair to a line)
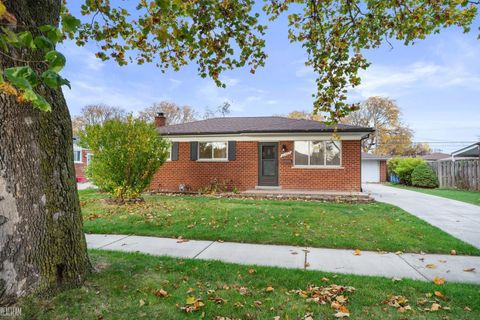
370, 171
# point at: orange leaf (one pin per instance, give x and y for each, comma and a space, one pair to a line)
438, 280
357, 252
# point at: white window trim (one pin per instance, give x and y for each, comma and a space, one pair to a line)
325, 166
212, 159
169, 158
76, 150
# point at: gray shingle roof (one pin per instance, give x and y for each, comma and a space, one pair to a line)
237, 125
369, 156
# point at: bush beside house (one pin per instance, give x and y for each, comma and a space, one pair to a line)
404, 167
126, 154
424, 177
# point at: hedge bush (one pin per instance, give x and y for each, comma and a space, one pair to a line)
424, 177
405, 168
126, 154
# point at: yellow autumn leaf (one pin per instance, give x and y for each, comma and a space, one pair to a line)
190, 300
3, 9
357, 252
269, 289
431, 266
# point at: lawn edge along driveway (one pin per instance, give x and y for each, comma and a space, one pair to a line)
471, 197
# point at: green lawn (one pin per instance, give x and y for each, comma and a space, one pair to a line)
374, 226
137, 286
460, 195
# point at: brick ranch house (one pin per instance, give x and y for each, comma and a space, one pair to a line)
261, 152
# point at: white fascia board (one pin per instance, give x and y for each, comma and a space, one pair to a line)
268, 137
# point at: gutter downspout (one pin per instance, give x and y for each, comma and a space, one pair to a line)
361, 140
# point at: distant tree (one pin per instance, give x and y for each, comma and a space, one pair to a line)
391, 136
222, 110
174, 113
304, 115
96, 114
126, 154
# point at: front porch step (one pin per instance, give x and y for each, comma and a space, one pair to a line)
268, 188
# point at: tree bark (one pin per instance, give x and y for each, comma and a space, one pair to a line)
42, 245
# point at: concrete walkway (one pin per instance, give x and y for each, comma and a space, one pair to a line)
460, 219
413, 266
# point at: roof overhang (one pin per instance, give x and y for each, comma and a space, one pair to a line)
469, 151
273, 137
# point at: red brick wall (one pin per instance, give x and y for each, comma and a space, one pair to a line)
80, 167
243, 172
383, 170
346, 178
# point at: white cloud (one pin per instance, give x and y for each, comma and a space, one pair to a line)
82, 57
395, 81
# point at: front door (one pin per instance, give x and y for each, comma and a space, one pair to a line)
268, 164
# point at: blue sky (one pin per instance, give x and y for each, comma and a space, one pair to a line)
436, 83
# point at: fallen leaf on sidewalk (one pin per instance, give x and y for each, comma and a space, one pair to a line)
438, 280
357, 252
431, 266
469, 269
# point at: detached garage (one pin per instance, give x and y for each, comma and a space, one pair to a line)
374, 168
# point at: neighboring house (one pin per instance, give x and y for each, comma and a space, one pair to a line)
374, 168
261, 152
435, 156
470, 152
81, 158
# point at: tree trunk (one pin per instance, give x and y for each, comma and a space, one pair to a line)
42, 245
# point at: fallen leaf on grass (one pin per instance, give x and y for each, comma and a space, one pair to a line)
269, 289
193, 304
325, 279
251, 271
453, 252
257, 303
161, 293
398, 302
435, 307
357, 252
141, 302
440, 295
242, 290
467, 309
438, 280
469, 269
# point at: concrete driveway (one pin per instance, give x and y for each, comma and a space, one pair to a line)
460, 219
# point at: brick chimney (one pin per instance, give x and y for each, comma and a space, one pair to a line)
160, 120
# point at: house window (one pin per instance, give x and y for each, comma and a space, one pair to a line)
317, 153
212, 151
77, 156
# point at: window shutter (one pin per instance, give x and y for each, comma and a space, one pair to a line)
232, 150
174, 151
193, 150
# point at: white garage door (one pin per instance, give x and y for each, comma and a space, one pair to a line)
370, 171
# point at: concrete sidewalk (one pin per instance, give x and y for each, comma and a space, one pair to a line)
460, 219
413, 266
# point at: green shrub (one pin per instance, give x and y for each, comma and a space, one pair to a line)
423, 176
126, 154
405, 168
392, 164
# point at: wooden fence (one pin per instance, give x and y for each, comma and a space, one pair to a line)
461, 174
